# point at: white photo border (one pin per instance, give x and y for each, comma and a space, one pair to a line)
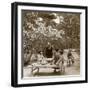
82, 47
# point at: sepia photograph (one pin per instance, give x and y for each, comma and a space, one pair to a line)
50, 43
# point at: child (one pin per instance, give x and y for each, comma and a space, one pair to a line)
41, 59
60, 62
33, 58
56, 56
70, 58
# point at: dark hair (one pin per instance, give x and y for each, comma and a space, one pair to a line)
61, 51
57, 50
40, 52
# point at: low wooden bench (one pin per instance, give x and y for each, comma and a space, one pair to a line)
38, 66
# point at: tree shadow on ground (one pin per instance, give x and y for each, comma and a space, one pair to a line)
49, 74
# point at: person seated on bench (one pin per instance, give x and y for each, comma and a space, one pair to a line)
41, 58
33, 57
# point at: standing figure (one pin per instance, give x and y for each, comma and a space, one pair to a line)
70, 58
60, 62
56, 56
49, 51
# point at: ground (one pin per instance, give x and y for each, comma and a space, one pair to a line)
71, 70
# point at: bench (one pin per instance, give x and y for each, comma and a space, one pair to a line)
38, 66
